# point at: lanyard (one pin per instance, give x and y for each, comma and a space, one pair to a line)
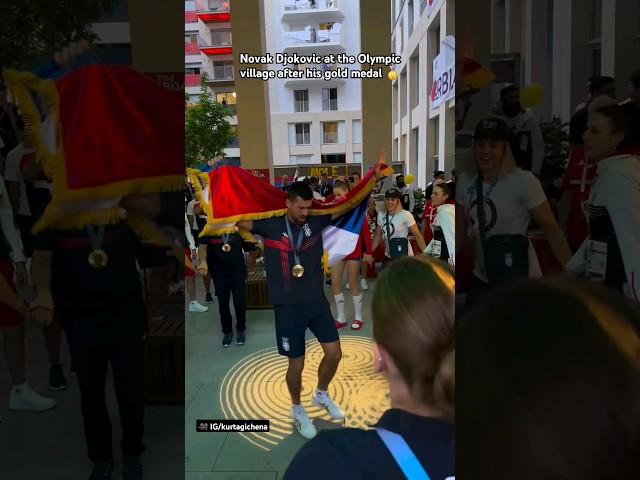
296, 247
96, 236
226, 237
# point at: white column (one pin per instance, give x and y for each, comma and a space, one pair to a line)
608, 38
561, 82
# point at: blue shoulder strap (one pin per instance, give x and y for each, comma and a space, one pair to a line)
403, 455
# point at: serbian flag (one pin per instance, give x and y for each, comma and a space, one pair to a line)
101, 132
231, 194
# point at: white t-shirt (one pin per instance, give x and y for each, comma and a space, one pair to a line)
400, 222
12, 173
506, 205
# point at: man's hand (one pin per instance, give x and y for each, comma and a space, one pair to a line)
22, 277
41, 310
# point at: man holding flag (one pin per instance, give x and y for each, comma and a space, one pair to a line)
298, 239
293, 260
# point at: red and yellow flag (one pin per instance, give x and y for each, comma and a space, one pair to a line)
101, 133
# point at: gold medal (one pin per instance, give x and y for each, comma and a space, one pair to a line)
226, 248
298, 271
98, 258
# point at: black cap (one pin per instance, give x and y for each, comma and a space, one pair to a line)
492, 129
393, 193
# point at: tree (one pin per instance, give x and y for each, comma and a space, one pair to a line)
206, 132
33, 30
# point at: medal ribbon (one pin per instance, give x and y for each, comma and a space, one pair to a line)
96, 236
226, 237
298, 244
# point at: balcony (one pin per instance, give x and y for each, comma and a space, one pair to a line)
220, 73
314, 40
218, 44
302, 11
213, 11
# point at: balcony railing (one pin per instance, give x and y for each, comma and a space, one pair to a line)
313, 35
329, 137
233, 110
212, 6
330, 104
220, 73
218, 39
298, 5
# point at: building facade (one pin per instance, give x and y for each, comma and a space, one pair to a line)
560, 44
423, 136
313, 121
208, 49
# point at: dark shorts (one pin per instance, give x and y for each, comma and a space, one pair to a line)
292, 322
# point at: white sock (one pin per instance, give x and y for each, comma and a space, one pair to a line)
321, 392
357, 305
298, 410
339, 298
20, 387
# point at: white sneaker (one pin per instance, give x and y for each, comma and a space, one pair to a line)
195, 306
303, 423
24, 398
347, 286
324, 401
363, 284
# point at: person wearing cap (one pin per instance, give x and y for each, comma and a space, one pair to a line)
510, 197
394, 226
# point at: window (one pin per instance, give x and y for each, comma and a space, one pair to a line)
303, 134
410, 7
301, 100
329, 99
222, 71
334, 158
329, 132
414, 94
357, 157
436, 143
403, 93
228, 101
192, 70
191, 38
357, 131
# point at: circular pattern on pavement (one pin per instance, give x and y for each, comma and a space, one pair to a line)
255, 389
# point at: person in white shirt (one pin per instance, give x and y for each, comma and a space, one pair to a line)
17, 191
408, 200
396, 223
443, 245
191, 251
527, 141
510, 198
12, 263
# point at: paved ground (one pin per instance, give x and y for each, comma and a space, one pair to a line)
248, 382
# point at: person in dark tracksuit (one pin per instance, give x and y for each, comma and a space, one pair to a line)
103, 313
225, 262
